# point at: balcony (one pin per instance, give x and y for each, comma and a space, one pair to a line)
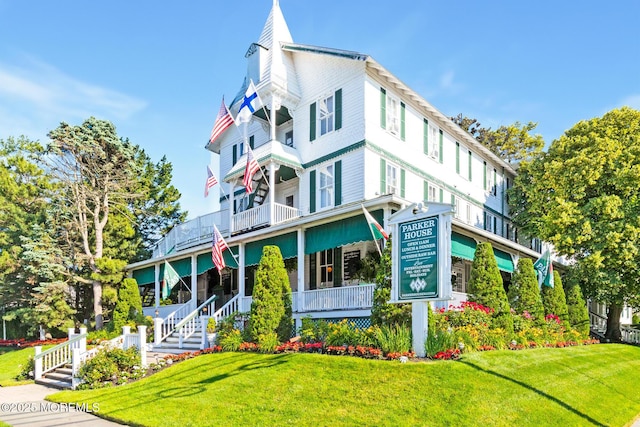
192, 233
260, 217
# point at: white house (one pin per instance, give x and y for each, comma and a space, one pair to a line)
347, 133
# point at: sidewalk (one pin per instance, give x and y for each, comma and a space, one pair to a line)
24, 405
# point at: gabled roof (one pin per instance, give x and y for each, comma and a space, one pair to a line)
273, 151
295, 47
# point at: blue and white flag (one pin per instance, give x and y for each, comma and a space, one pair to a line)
249, 105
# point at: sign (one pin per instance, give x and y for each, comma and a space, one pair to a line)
418, 266
351, 262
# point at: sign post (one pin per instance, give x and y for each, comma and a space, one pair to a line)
421, 259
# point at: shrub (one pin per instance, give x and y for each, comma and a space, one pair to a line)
268, 311
267, 343
438, 342
554, 300
393, 339
524, 294
342, 333
578, 312
312, 331
129, 306
110, 365
230, 340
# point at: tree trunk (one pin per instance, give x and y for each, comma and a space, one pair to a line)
97, 303
613, 333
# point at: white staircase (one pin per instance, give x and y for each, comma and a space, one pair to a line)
61, 378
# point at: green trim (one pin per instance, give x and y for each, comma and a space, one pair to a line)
425, 191
484, 177
252, 140
312, 191
402, 182
338, 109
457, 157
337, 183
337, 267
383, 176
441, 147
425, 136
441, 195
504, 260
402, 120
181, 266
462, 246
234, 155
383, 108
470, 165
335, 154
312, 122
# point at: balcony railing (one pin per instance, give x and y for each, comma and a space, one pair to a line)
259, 216
192, 233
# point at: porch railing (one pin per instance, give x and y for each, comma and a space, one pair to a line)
232, 306
598, 322
344, 298
259, 216
192, 323
630, 335
59, 355
169, 323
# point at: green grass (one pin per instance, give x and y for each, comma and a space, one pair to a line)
11, 362
590, 385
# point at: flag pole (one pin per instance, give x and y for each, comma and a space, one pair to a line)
371, 230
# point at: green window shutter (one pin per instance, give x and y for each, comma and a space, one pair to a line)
312, 122
337, 182
235, 154
252, 139
495, 182
402, 116
470, 166
313, 280
484, 176
383, 176
337, 267
453, 199
425, 191
338, 109
425, 136
312, 191
441, 195
457, 157
440, 146
383, 108
402, 177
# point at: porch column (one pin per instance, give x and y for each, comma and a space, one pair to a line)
301, 266
232, 187
272, 196
156, 285
241, 280
194, 282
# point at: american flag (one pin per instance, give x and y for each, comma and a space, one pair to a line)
219, 246
211, 181
223, 121
250, 170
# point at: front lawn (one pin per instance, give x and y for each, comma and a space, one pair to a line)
11, 362
586, 385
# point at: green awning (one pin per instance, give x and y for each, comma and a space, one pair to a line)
144, 275
339, 233
205, 262
505, 262
181, 266
288, 244
462, 246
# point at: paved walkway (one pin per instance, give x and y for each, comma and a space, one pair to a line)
24, 405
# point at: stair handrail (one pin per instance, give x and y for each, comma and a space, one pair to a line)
190, 324
169, 323
231, 306
58, 355
195, 312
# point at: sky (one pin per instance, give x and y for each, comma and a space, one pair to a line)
158, 69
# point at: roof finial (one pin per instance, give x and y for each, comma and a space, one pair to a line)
276, 3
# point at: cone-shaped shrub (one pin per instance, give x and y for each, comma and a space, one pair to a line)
485, 286
268, 312
554, 299
577, 309
383, 313
524, 294
129, 306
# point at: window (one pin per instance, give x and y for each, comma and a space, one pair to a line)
490, 222
326, 266
288, 138
288, 201
393, 115
455, 202
491, 182
434, 142
433, 193
326, 115
392, 180
326, 187
241, 148
468, 216
242, 204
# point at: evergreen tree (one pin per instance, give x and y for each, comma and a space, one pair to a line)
577, 309
129, 306
383, 313
486, 287
268, 308
524, 294
554, 300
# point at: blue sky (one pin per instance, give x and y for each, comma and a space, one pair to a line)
158, 69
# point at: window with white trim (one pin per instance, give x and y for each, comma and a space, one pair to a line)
326, 187
393, 179
434, 141
326, 266
326, 114
433, 193
490, 222
393, 115
455, 201
467, 218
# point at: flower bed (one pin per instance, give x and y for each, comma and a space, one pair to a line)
24, 343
